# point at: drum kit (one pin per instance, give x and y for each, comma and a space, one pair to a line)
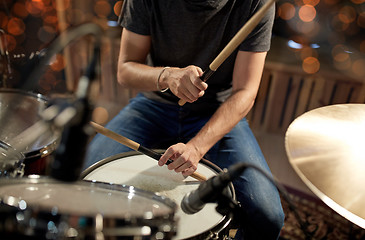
128, 196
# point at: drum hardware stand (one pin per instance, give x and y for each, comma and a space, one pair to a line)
4, 52
69, 156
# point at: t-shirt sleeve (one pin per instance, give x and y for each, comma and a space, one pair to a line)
135, 16
259, 39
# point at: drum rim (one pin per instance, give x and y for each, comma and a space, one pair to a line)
47, 149
38, 96
36, 211
40, 179
224, 221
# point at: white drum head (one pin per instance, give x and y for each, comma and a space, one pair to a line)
144, 173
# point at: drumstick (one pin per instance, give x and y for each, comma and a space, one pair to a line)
136, 146
233, 44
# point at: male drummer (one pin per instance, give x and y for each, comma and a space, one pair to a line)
165, 46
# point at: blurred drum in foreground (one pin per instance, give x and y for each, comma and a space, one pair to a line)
18, 111
36, 207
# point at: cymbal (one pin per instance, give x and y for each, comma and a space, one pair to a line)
326, 148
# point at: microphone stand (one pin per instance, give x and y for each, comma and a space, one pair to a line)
69, 156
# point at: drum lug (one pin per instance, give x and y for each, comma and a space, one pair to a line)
213, 235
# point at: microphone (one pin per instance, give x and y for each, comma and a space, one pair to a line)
209, 191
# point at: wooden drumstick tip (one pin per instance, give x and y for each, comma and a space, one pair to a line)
198, 176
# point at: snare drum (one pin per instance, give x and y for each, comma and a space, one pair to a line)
143, 172
37, 207
18, 111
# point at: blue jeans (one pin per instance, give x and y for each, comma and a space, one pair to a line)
158, 125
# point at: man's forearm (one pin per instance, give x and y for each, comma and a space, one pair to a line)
223, 121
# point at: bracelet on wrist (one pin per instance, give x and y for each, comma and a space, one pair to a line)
158, 81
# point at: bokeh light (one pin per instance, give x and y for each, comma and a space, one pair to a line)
19, 10
286, 11
362, 46
311, 2
358, 68
34, 7
347, 14
311, 65
16, 26
361, 19
117, 7
102, 8
31, 25
100, 115
58, 63
307, 13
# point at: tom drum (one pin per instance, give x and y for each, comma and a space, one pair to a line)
20, 110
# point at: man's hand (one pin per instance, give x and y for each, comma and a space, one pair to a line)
185, 158
185, 83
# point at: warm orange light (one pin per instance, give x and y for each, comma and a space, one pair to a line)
3, 20
311, 65
16, 26
61, 5
286, 11
307, 13
347, 14
306, 52
362, 46
358, 68
361, 20
20, 10
102, 8
358, 1
339, 49
117, 7
34, 7
331, 2
341, 57
58, 64
311, 2
100, 115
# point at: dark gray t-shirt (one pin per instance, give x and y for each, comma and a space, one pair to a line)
194, 32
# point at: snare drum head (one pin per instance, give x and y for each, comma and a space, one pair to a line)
143, 172
85, 200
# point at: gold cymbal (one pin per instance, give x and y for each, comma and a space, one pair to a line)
326, 148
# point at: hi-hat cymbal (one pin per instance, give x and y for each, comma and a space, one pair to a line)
326, 147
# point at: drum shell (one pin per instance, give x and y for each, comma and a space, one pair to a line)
40, 221
219, 227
